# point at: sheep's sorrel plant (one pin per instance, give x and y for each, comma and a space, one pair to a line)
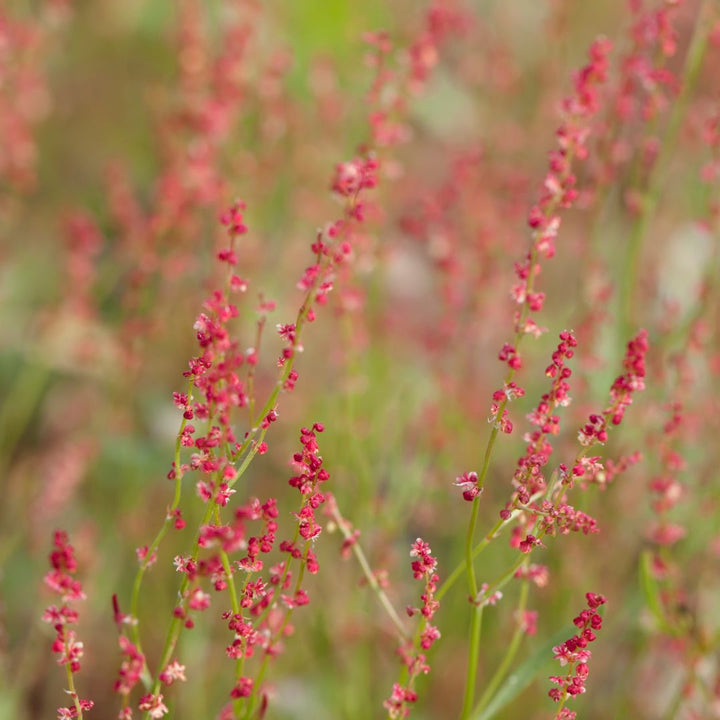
281, 469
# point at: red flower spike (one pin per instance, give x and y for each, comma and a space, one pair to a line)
574, 654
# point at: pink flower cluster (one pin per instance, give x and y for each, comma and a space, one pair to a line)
559, 188
528, 478
25, 100
69, 650
574, 654
423, 567
263, 625
559, 191
355, 175
621, 393
565, 519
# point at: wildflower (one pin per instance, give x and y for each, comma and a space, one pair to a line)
153, 704
174, 671
468, 483
65, 713
423, 567
574, 654
621, 393
66, 646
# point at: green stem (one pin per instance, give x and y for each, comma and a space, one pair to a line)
152, 549
460, 569
507, 661
73, 692
368, 573
476, 617
473, 655
234, 604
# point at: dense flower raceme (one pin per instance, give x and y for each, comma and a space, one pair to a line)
412, 653
528, 478
556, 516
61, 580
552, 515
261, 618
559, 190
262, 605
595, 431
574, 654
263, 598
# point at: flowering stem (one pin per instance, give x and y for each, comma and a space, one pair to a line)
239, 663
287, 368
476, 618
134, 601
173, 633
691, 70
251, 373
252, 701
476, 622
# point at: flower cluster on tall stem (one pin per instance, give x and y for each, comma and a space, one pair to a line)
69, 650
403, 694
221, 382
559, 191
595, 431
553, 515
528, 478
263, 607
574, 654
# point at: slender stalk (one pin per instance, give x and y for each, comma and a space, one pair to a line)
153, 547
460, 569
368, 573
73, 691
507, 661
473, 655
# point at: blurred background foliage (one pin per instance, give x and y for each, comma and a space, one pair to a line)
139, 137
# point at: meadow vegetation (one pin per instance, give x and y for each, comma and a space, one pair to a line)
360, 359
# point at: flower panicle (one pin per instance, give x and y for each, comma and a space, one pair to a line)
622, 391
574, 655
69, 650
412, 653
